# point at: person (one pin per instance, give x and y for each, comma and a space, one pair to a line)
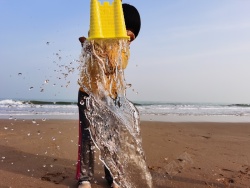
85, 166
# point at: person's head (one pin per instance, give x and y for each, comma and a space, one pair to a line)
132, 20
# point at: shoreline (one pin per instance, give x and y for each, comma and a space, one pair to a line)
157, 118
187, 154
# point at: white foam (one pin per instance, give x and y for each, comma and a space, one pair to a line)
10, 102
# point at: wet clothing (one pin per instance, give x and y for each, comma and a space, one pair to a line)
85, 165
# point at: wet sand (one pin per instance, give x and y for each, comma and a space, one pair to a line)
179, 155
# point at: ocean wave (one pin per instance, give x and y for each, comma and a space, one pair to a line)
240, 105
10, 102
52, 103
11, 106
35, 102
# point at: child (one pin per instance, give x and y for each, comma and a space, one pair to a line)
85, 167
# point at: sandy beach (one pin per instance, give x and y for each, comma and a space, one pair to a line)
179, 155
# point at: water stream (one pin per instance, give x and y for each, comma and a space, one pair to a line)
114, 120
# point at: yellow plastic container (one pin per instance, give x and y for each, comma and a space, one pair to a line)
107, 21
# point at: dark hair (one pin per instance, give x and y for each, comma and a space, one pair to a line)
132, 18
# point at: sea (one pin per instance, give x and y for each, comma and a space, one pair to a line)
149, 111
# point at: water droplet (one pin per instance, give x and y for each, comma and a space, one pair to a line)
28, 134
33, 121
45, 152
53, 138
44, 119
65, 75
28, 170
51, 166
5, 128
128, 85
3, 157
10, 117
46, 81
82, 102
44, 166
72, 140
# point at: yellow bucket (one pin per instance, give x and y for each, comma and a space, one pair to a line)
107, 20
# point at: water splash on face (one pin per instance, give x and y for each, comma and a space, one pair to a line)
114, 121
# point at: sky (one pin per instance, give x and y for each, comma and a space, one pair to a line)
186, 51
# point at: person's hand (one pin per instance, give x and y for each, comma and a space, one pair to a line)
82, 40
131, 35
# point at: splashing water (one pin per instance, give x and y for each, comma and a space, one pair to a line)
114, 121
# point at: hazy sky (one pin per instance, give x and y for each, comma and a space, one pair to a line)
187, 50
